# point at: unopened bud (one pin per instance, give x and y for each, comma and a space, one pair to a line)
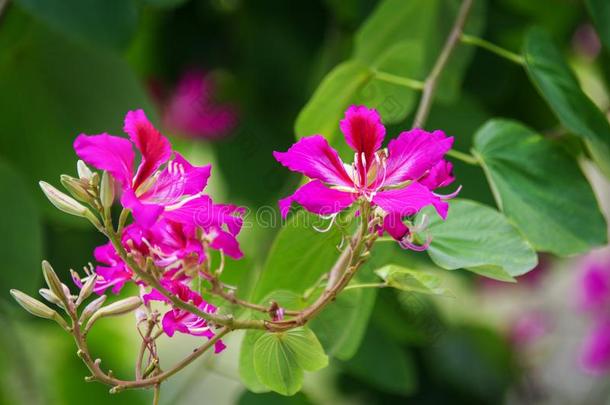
76, 187
62, 201
94, 180
83, 170
49, 296
53, 282
37, 308
92, 307
116, 308
87, 289
107, 190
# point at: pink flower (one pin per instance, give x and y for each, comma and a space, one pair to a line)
529, 328
114, 275
192, 111
595, 284
178, 320
161, 184
595, 352
398, 180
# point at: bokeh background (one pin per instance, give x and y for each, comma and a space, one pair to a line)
238, 72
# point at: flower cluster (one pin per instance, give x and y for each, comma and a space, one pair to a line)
399, 180
174, 222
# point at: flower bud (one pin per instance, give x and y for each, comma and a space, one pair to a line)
116, 308
107, 190
92, 307
54, 284
83, 170
87, 289
62, 201
37, 308
76, 187
49, 296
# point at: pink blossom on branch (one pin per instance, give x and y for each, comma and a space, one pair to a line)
399, 180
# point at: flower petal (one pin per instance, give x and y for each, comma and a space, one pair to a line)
441, 175
413, 153
393, 225
409, 200
145, 215
363, 130
202, 211
595, 353
227, 243
107, 152
155, 148
178, 179
314, 157
315, 197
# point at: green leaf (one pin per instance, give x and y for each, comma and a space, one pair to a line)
299, 256
599, 10
271, 398
383, 364
21, 250
110, 23
280, 358
341, 326
322, 113
560, 88
80, 90
411, 280
530, 177
480, 239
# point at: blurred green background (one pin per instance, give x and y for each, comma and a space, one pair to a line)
76, 66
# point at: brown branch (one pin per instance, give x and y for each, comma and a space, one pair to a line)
432, 80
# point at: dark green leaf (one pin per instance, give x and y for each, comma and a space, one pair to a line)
480, 239
21, 250
109, 23
531, 176
384, 364
560, 88
80, 90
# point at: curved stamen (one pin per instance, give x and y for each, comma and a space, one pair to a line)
332, 218
449, 196
407, 243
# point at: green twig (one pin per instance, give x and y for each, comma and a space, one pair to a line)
493, 48
399, 80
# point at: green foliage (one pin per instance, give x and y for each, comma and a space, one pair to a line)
299, 256
405, 279
109, 23
384, 364
401, 39
42, 114
281, 358
600, 14
528, 173
22, 252
560, 88
480, 239
271, 398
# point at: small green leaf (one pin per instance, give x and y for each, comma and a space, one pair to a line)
560, 88
411, 280
480, 239
280, 358
530, 177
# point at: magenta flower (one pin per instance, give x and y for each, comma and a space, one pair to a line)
595, 351
528, 328
114, 274
178, 320
399, 180
160, 184
191, 110
595, 286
